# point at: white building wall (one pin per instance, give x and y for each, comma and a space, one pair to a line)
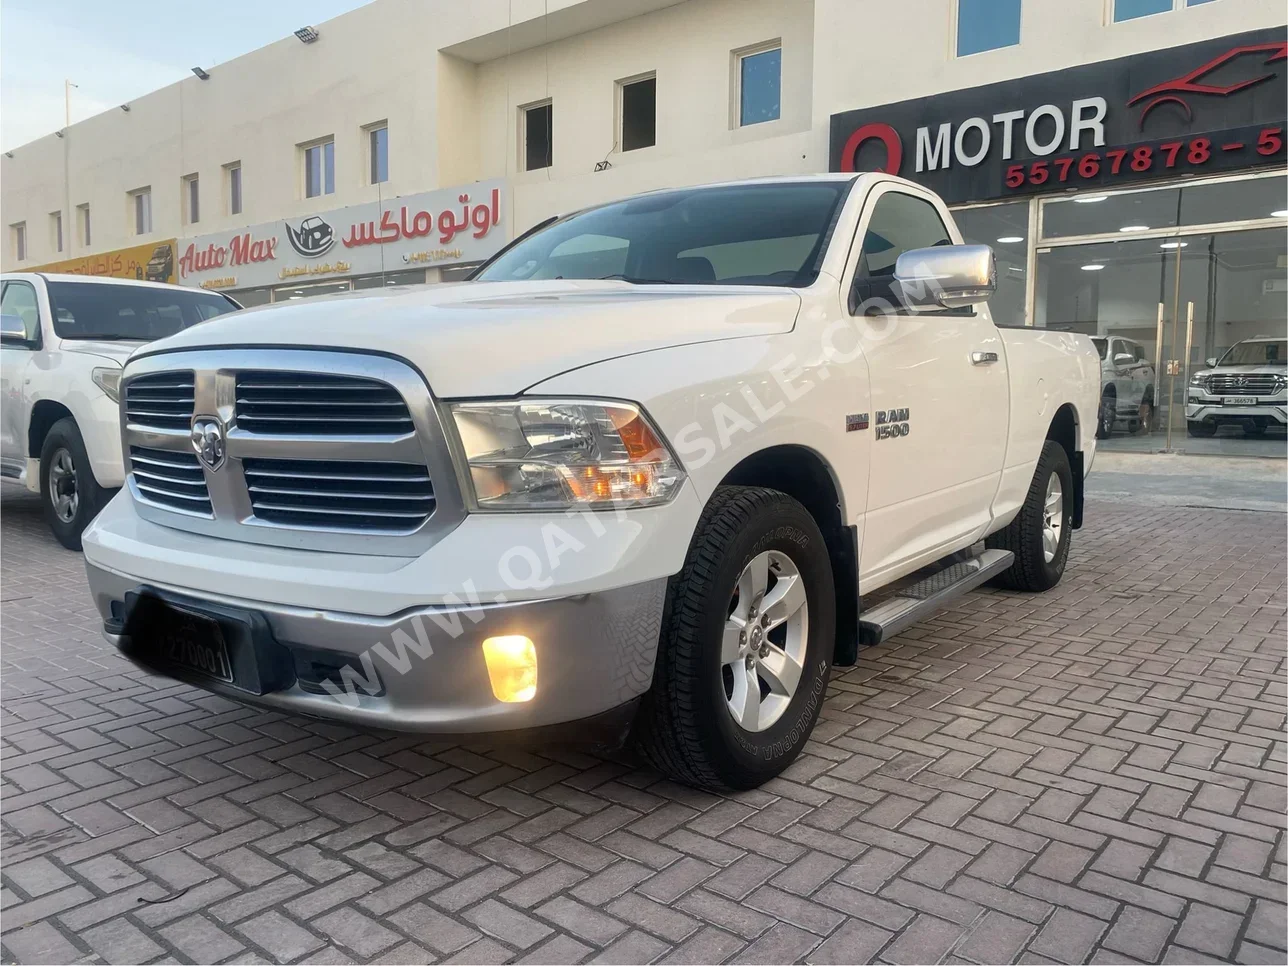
450, 77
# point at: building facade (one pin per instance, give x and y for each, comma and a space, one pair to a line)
1090, 142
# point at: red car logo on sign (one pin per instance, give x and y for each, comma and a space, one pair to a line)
1171, 91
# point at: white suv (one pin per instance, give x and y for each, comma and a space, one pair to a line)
63, 341
1126, 386
1248, 386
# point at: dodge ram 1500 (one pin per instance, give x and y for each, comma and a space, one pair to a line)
659, 466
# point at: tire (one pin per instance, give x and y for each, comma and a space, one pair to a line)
1108, 413
1146, 423
1254, 427
1026, 535
63, 458
1200, 428
686, 727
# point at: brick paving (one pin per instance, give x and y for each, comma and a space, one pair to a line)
1093, 774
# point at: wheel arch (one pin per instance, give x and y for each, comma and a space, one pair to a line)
44, 414
1065, 430
807, 477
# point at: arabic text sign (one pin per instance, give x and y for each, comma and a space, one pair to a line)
461, 224
153, 262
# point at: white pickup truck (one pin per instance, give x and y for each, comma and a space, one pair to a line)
63, 341
661, 465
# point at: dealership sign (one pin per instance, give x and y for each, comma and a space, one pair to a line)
444, 226
1211, 106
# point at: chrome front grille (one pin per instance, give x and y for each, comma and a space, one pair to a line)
170, 478
318, 404
162, 399
313, 449
344, 494
1252, 384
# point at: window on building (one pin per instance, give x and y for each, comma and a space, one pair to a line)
56, 229
1131, 9
141, 203
759, 73
378, 151
233, 188
18, 234
987, 25
538, 136
319, 169
191, 200
638, 113
82, 218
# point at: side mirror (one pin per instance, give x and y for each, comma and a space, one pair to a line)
945, 277
1124, 359
1211, 362
13, 331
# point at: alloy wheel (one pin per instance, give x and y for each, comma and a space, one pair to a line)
62, 485
1052, 517
762, 652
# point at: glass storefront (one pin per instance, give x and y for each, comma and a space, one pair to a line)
1151, 274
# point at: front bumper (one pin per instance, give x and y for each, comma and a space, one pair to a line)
1200, 407
595, 653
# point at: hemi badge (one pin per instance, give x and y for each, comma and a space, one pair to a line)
855, 422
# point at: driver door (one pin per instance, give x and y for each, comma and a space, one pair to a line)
940, 398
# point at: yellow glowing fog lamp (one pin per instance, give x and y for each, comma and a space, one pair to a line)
512, 667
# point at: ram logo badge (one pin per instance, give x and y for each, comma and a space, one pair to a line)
892, 423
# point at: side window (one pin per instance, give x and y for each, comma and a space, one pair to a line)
899, 223
1138, 352
19, 299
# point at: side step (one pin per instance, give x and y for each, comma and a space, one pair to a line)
920, 600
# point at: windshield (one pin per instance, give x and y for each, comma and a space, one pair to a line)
1256, 354
103, 310
760, 234
1102, 346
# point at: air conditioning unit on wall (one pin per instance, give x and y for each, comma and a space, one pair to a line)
1272, 286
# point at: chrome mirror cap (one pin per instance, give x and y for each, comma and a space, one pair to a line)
945, 277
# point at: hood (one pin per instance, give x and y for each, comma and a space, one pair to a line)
1248, 369
499, 338
116, 352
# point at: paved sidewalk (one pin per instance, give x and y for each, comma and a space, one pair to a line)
1093, 774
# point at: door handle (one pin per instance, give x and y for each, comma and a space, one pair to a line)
978, 358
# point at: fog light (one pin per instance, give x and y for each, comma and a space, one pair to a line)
512, 667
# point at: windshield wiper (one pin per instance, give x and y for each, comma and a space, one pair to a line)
639, 281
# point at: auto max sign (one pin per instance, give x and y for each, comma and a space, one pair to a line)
415, 231
1205, 107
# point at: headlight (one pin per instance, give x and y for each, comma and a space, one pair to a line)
109, 380
539, 454
1199, 379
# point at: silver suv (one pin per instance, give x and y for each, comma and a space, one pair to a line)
1248, 386
1126, 386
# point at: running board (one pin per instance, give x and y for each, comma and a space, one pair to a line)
920, 600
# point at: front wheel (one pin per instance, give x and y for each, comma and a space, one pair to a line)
69, 494
1146, 416
1201, 428
746, 644
1039, 535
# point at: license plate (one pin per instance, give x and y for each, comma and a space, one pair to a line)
192, 641
1239, 401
